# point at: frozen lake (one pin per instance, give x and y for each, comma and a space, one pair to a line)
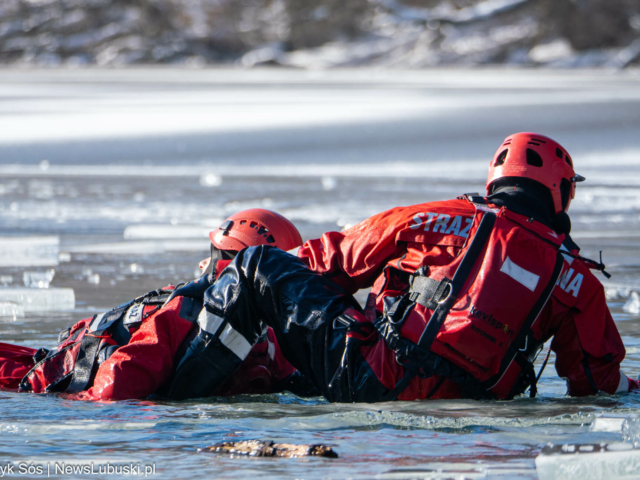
112, 179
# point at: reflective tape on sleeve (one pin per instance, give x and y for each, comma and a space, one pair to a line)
209, 322
234, 341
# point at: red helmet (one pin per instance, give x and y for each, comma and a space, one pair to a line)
256, 227
539, 158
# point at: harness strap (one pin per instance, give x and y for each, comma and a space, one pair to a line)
400, 387
529, 374
587, 372
459, 279
544, 364
84, 363
430, 292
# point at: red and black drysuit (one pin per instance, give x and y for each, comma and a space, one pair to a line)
484, 345
131, 351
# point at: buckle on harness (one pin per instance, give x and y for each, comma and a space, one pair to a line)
429, 292
449, 288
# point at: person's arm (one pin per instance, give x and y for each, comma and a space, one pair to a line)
587, 343
355, 257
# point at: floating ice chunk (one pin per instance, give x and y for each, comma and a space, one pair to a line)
11, 310
617, 293
39, 300
64, 257
135, 232
631, 431
6, 280
460, 470
588, 462
633, 304
29, 251
136, 268
329, 183
38, 279
210, 180
608, 424
94, 278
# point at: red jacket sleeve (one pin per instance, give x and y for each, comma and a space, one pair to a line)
586, 341
355, 257
15, 363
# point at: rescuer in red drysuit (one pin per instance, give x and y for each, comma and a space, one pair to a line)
465, 293
130, 351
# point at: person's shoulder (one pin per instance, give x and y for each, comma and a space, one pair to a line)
418, 216
450, 207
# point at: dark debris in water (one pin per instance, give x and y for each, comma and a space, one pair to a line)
267, 448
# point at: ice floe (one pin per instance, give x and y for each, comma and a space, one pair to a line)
38, 279
633, 304
29, 251
588, 462
32, 300
11, 311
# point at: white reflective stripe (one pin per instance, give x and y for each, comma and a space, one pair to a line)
209, 322
96, 322
623, 385
294, 251
271, 350
519, 274
566, 257
234, 341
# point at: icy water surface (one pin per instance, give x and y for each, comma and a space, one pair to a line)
110, 181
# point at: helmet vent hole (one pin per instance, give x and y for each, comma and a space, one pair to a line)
262, 231
242, 222
501, 157
559, 153
253, 225
538, 140
533, 158
567, 159
270, 239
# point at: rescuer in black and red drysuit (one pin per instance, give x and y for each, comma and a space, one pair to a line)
132, 350
465, 293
